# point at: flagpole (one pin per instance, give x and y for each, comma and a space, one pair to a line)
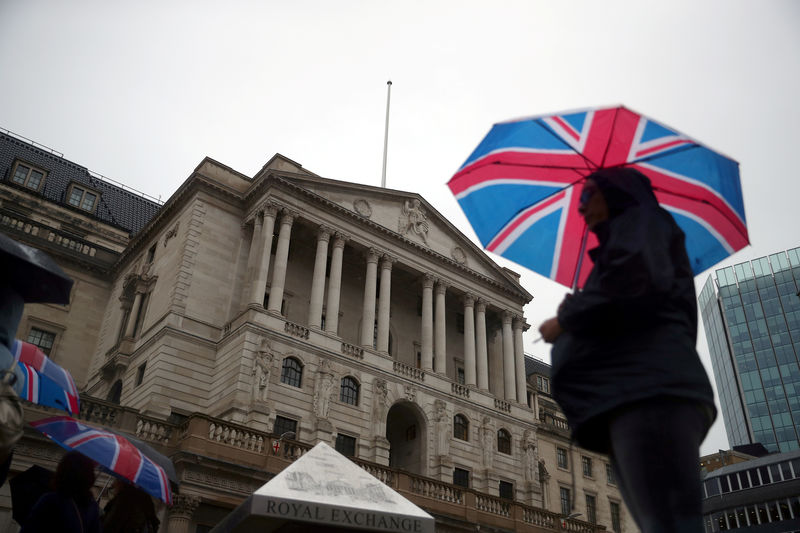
386, 132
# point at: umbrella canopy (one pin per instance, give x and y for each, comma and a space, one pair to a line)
517, 188
46, 383
32, 273
112, 451
26, 489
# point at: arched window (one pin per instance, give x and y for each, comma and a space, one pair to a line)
461, 427
503, 441
292, 372
349, 391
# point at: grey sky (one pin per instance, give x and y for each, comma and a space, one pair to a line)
142, 91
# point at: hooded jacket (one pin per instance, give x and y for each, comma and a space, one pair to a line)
630, 334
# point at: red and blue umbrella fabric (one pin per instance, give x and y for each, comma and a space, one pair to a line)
112, 451
520, 187
46, 383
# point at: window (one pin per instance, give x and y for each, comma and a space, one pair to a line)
591, 509
460, 427
616, 523
503, 441
566, 504
140, 373
349, 391
610, 474
284, 425
43, 339
81, 197
115, 392
151, 254
461, 477
137, 326
292, 372
506, 490
460, 377
346, 445
28, 176
586, 463
543, 384
561, 455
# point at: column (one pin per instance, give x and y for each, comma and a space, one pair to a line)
254, 256
318, 280
440, 343
281, 262
384, 304
258, 283
335, 285
509, 383
368, 311
427, 322
519, 360
481, 348
180, 514
131, 325
469, 340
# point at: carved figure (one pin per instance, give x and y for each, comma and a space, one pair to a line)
262, 366
380, 405
487, 441
442, 427
414, 219
323, 388
530, 459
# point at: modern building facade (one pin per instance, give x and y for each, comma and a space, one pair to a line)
248, 318
760, 495
751, 315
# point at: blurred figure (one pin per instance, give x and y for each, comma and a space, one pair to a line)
625, 368
129, 511
71, 506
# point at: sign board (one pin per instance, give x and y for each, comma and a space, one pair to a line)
325, 488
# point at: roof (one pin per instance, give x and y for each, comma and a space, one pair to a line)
117, 206
761, 461
536, 366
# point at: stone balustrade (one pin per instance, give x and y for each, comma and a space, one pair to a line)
459, 389
409, 371
297, 330
353, 350
492, 505
436, 490
502, 405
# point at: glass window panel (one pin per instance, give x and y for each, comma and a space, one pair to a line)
734, 480
21, 173
741, 515
292, 372
779, 262
783, 507
773, 511
712, 487
75, 196
763, 516
775, 471
754, 479
504, 441
461, 477
346, 445
88, 201
794, 257
349, 391
35, 179
460, 427
726, 487
284, 425
752, 515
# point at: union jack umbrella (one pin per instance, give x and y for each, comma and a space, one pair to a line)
518, 187
110, 450
46, 383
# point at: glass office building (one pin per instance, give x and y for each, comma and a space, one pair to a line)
751, 315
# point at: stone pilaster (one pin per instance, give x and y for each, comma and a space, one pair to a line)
384, 304
335, 285
427, 322
470, 371
509, 381
318, 279
440, 343
368, 310
482, 352
281, 262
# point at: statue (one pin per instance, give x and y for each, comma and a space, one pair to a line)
487, 435
380, 404
531, 464
262, 366
323, 388
414, 219
443, 430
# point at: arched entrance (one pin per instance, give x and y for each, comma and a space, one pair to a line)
405, 431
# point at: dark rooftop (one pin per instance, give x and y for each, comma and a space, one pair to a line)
536, 366
118, 206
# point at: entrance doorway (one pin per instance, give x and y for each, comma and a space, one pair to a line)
406, 433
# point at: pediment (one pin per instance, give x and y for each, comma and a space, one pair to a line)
410, 216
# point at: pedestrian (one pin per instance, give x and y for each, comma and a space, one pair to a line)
624, 365
130, 510
71, 507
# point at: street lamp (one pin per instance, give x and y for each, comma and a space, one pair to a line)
285, 435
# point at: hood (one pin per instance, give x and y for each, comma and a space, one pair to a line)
623, 188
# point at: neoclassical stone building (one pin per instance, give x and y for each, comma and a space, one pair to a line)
248, 318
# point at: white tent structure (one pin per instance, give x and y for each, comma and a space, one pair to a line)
323, 489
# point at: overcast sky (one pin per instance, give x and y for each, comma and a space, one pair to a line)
142, 91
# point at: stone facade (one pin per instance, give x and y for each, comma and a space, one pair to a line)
250, 318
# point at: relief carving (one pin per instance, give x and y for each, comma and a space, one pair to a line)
414, 220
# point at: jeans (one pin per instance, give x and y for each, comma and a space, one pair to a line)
655, 448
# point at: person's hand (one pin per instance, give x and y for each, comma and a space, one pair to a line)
550, 329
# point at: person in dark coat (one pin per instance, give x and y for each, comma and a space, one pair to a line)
624, 365
130, 511
71, 508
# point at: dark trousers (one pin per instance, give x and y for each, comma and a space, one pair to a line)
655, 448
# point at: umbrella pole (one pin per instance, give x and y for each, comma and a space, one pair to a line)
580, 259
108, 480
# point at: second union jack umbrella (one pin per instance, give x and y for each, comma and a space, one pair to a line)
518, 187
46, 383
112, 451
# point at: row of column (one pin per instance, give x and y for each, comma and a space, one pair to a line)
433, 304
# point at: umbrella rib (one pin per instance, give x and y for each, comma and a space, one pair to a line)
589, 163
